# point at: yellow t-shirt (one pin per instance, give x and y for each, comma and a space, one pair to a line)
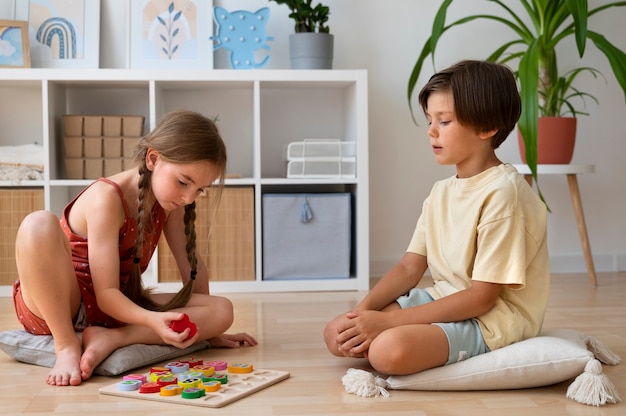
491, 228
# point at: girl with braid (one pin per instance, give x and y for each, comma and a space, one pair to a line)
83, 273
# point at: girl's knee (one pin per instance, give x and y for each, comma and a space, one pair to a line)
226, 312
38, 226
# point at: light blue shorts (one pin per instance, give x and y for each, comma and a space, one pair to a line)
464, 338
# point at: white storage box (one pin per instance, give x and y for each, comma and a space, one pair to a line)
306, 236
329, 168
321, 158
324, 148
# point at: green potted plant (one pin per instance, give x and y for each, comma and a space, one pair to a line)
311, 46
537, 29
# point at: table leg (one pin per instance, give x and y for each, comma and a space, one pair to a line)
574, 192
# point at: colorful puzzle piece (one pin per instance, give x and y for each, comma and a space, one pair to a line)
194, 387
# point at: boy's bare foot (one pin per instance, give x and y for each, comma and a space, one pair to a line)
66, 370
98, 344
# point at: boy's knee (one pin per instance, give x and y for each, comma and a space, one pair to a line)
330, 336
386, 353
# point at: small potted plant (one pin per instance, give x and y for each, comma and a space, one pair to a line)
311, 46
537, 29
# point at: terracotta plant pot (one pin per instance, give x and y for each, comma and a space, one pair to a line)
555, 141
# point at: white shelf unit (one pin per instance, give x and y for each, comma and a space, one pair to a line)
259, 112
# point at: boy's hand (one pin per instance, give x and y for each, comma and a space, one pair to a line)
360, 329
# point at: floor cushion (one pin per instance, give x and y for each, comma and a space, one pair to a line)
553, 357
39, 350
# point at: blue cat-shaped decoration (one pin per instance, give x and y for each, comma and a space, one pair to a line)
242, 33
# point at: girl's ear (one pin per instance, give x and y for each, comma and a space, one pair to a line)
152, 157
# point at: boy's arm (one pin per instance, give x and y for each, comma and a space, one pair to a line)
404, 276
466, 304
472, 302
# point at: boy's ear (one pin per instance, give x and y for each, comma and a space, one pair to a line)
485, 135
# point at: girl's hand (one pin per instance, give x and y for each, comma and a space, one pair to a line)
171, 337
232, 340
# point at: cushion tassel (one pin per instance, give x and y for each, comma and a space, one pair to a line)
592, 387
601, 352
364, 384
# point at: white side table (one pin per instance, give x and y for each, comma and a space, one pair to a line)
571, 171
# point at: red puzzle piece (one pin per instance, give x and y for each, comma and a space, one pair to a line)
182, 324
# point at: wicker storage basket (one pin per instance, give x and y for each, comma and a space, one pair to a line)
15, 204
227, 247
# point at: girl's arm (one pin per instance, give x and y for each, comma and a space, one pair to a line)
174, 232
404, 276
99, 214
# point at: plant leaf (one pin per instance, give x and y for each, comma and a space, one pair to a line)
616, 57
528, 123
579, 11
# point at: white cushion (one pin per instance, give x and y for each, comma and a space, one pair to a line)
39, 350
551, 358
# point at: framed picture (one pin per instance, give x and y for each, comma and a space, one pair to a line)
63, 33
14, 48
171, 34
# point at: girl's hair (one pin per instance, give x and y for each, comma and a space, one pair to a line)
181, 137
485, 96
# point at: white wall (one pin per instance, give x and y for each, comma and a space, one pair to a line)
384, 38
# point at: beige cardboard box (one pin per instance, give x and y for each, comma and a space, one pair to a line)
93, 168
132, 126
113, 166
111, 126
128, 146
112, 147
75, 168
92, 147
92, 126
73, 125
73, 146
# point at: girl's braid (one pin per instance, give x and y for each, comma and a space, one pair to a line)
190, 232
135, 290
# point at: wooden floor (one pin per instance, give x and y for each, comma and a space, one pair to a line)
289, 328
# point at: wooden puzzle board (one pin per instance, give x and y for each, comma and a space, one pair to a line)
238, 386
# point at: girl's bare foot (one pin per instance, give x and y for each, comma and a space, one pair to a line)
66, 370
98, 344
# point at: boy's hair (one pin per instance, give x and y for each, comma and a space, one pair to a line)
180, 137
485, 96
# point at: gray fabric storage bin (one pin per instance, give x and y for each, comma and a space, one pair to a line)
306, 236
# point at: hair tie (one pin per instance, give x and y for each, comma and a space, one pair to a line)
137, 260
193, 275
